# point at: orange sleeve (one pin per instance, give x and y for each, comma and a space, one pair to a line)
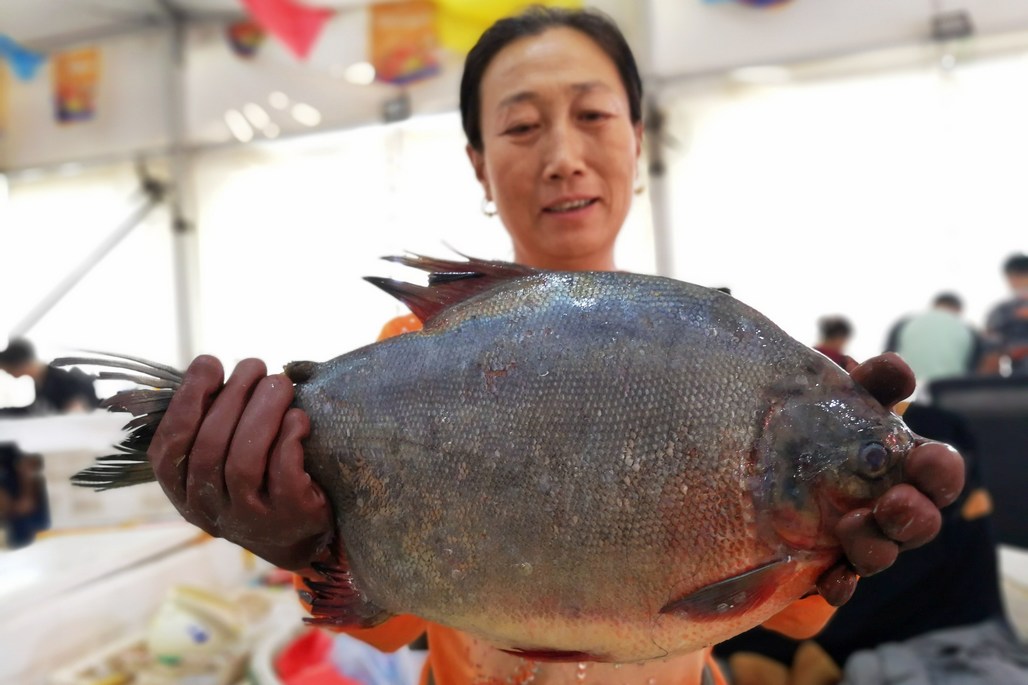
802, 619
401, 324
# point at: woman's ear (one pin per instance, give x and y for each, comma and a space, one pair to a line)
477, 160
638, 128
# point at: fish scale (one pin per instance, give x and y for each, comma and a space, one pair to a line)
580, 465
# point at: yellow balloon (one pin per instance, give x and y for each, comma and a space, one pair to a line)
459, 23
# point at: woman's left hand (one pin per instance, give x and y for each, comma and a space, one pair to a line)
907, 515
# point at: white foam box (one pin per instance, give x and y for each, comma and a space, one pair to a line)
68, 596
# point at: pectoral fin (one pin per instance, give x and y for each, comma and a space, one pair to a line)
731, 596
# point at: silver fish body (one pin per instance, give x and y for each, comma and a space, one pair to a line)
598, 465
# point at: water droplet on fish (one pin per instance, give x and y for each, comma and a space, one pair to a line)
580, 673
651, 681
525, 568
445, 419
685, 489
456, 574
617, 666
447, 552
722, 608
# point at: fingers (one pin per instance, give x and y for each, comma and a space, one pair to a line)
867, 548
837, 584
258, 427
175, 435
289, 482
907, 516
886, 377
287, 478
937, 470
205, 480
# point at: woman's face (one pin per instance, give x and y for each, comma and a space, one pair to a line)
560, 151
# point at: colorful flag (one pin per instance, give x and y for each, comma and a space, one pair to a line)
461, 22
24, 63
295, 24
76, 76
403, 41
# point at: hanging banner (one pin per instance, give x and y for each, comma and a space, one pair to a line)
403, 41
76, 76
244, 37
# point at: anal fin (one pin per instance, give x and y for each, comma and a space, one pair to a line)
731, 596
336, 600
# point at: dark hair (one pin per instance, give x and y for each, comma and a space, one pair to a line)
1016, 264
835, 327
948, 300
533, 21
19, 351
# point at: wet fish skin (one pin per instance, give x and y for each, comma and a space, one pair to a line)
565, 461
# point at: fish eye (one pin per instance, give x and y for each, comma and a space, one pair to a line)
874, 456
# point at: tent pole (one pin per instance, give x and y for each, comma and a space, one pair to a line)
182, 202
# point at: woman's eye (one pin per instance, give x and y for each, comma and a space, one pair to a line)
519, 129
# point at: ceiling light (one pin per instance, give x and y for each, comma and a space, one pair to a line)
238, 125
360, 73
762, 75
278, 100
256, 114
271, 130
305, 114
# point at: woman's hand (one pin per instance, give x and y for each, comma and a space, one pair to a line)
907, 515
230, 459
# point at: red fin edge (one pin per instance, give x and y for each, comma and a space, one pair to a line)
336, 601
554, 655
449, 282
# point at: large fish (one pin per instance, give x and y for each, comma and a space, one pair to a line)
575, 465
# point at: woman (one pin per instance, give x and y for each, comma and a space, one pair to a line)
551, 105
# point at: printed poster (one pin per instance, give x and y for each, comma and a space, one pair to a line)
76, 77
403, 41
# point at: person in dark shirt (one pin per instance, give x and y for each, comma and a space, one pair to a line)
1006, 328
835, 332
58, 390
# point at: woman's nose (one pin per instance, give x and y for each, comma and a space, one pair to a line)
564, 154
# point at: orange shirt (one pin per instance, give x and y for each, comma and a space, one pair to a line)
456, 658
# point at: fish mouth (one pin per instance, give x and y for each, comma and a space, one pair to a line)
570, 204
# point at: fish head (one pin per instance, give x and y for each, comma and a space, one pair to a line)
824, 453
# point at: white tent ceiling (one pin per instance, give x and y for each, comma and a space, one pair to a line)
676, 38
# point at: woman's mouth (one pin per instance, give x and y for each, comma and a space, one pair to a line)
566, 206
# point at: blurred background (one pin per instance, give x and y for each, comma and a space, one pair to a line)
176, 175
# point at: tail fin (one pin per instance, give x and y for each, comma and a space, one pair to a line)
130, 466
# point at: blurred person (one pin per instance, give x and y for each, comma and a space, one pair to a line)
551, 102
1006, 327
58, 390
835, 333
24, 504
936, 343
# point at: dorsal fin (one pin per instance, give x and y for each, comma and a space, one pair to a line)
449, 282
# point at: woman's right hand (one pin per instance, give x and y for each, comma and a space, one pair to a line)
230, 458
